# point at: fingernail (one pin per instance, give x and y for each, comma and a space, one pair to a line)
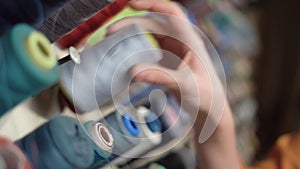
139, 71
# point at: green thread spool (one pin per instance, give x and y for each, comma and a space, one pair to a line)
27, 65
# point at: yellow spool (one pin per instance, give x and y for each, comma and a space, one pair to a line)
40, 51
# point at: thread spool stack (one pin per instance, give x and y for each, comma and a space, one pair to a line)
150, 136
125, 131
11, 157
175, 121
59, 143
103, 142
28, 65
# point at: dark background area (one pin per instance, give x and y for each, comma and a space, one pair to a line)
277, 72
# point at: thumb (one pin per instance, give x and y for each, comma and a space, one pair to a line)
155, 74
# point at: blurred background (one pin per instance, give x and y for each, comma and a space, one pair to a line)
258, 43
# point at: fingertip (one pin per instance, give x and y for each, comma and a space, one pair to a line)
111, 29
138, 69
134, 3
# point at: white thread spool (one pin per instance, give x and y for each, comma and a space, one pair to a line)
149, 137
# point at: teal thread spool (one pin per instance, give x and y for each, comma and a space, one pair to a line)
27, 65
61, 143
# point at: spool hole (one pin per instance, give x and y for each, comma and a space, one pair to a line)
43, 49
153, 122
105, 135
133, 124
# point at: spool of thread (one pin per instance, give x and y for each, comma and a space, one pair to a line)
103, 142
70, 16
125, 131
150, 136
28, 65
98, 20
11, 157
59, 143
175, 121
104, 68
23, 11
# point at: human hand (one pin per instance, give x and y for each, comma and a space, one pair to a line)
194, 81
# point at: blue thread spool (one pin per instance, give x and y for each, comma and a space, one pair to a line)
125, 131
60, 143
150, 132
28, 65
147, 139
153, 122
103, 142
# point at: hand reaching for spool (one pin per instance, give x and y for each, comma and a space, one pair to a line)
194, 81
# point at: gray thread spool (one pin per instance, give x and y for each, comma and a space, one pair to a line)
103, 70
124, 140
70, 16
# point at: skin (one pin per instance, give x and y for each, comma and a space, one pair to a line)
194, 72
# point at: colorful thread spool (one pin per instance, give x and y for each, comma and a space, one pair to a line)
11, 157
59, 143
70, 16
103, 142
99, 20
175, 121
104, 68
28, 65
125, 131
150, 135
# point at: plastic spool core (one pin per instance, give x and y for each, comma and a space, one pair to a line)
153, 123
131, 124
43, 49
105, 135
40, 51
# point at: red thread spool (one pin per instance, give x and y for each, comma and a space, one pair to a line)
12, 156
78, 34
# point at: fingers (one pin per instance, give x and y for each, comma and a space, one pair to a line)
159, 6
155, 74
149, 24
188, 60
